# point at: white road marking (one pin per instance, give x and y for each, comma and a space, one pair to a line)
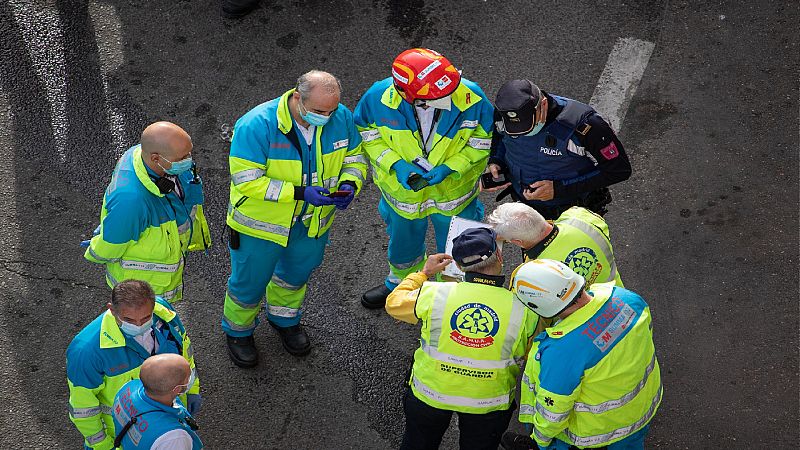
108, 34
620, 78
41, 29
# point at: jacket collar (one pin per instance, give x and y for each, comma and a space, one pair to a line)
534, 252
142, 174
489, 280
112, 337
284, 116
576, 319
463, 97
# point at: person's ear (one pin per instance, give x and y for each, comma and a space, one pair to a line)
517, 242
109, 306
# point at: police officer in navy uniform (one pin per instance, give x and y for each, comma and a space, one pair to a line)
554, 152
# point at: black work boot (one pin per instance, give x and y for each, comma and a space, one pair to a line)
376, 297
294, 339
235, 9
242, 351
516, 441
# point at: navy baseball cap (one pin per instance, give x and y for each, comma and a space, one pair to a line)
474, 245
516, 102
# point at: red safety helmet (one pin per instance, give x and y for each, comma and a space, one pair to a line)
420, 73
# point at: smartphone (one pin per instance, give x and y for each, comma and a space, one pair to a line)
416, 182
335, 194
488, 181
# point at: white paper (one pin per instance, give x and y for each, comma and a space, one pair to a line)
458, 226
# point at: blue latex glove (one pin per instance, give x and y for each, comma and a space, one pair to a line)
404, 169
317, 196
344, 202
193, 403
94, 233
437, 174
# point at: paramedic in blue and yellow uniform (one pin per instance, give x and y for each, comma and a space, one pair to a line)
427, 133
109, 352
152, 213
287, 156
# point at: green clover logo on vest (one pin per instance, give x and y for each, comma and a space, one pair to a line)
582, 260
474, 325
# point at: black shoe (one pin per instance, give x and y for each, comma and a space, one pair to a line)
516, 441
376, 297
294, 339
236, 9
242, 351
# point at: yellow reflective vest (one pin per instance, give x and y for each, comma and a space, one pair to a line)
473, 341
580, 239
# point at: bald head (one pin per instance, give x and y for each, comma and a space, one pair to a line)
161, 373
167, 140
317, 83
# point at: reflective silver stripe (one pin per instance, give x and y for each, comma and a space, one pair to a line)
612, 404
111, 278
185, 226
324, 221
408, 265
551, 416
257, 224
96, 438
380, 157
370, 135
171, 294
355, 159
540, 436
330, 182
150, 266
619, 432
105, 409
190, 352
273, 190
247, 175
82, 413
354, 172
450, 205
480, 143
598, 239
280, 283
100, 258
235, 327
283, 311
437, 311
467, 362
393, 278
527, 409
456, 400
527, 382
242, 304
512, 332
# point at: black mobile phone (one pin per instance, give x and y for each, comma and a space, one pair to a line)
335, 194
234, 241
488, 181
416, 182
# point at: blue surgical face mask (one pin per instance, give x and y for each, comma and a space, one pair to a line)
536, 128
313, 118
132, 330
178, 167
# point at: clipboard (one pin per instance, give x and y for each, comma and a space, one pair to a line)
458, 226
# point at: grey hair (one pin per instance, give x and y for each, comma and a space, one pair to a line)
314, 78
485, 263
131, 294
517, 221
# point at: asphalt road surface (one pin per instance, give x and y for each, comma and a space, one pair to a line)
706, 229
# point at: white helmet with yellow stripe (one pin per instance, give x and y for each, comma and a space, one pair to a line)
545, 286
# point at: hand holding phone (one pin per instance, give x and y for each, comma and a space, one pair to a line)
336, 194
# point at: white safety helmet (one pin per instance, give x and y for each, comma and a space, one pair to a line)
545, 286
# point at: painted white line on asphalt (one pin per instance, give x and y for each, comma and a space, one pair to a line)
620, 78
108, 35
41, 29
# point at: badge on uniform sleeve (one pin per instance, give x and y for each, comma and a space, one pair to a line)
610, 151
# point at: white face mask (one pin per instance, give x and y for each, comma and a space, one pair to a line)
185, 387
440, 103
